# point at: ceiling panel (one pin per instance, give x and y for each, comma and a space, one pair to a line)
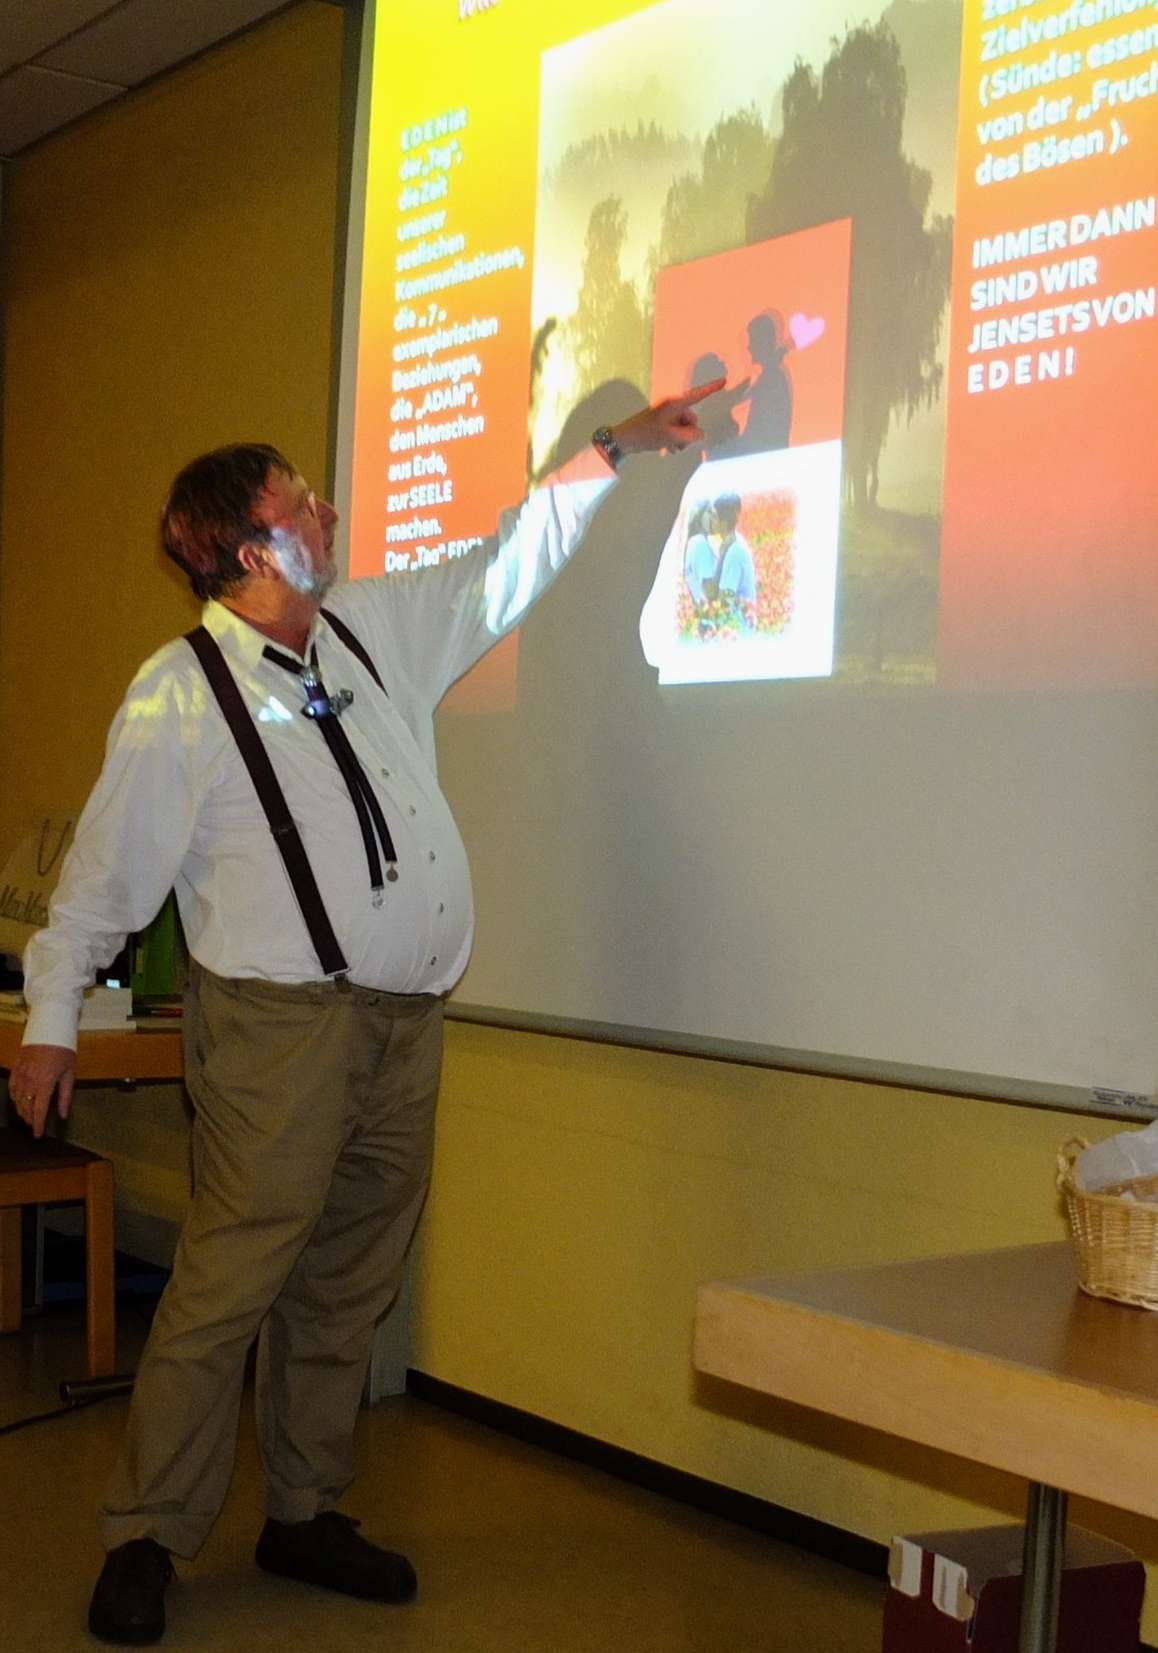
35, 101
141, 37
28, 27
61, 58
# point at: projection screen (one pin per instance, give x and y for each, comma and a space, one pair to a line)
835, 744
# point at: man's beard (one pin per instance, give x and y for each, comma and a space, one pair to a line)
297, 570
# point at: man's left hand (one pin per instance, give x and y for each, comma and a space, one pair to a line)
670, 425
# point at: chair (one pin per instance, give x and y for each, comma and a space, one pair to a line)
49, 1172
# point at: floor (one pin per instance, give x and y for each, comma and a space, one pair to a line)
517, 1551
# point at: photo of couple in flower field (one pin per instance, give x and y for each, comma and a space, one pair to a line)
739, 561
746, 583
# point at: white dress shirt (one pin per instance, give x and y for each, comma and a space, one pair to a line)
175, 807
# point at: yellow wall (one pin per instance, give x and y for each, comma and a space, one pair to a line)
170, 270
169, 274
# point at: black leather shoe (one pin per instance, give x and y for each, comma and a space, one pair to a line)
128, 1604
329, 1551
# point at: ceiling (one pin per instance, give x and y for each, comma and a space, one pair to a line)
59, 59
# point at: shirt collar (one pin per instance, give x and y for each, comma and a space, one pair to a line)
237, 638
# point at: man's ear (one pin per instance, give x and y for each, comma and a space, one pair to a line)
256, 560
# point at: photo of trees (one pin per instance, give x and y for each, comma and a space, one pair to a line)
718, 129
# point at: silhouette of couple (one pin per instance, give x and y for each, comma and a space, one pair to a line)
768, 395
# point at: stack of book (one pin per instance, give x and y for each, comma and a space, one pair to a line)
106, 1009
12, 1007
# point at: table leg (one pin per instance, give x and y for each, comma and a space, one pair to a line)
1045, 1543
11, 1281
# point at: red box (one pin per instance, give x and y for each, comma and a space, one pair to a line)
960, 1592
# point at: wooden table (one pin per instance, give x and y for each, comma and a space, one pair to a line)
129, 1057
995, 1356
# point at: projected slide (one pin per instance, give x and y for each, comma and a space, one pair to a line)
922, 247
836, 735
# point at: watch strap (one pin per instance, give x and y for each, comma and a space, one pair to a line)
603, 440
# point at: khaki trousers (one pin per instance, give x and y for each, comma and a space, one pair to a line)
312, 1140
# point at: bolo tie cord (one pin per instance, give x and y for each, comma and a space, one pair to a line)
325, 710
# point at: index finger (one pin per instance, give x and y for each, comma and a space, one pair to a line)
699, 392
33, 1110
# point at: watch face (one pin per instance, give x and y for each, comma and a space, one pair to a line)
604, 440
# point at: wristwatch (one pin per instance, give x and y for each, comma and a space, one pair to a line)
604, 441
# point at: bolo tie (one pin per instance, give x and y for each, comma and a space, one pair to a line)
325, 710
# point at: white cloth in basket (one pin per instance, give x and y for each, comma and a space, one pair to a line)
1118, 1159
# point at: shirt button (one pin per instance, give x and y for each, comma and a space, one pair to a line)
413, 811
433, 857
385, 774
434, 960
442, 906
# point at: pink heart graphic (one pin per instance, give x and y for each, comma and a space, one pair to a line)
805, 330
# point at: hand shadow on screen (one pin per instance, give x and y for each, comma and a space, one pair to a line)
722, 435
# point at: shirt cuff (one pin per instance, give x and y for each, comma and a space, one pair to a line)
54, 1023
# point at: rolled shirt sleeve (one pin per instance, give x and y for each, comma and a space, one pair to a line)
435, 624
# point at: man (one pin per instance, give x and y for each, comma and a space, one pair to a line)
771, 397
735, 566
321, 953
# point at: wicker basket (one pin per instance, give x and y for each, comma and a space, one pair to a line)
1115, 1240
